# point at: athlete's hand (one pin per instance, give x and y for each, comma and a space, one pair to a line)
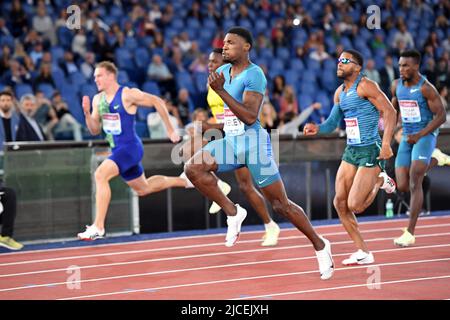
86, 105
174, 137
413, 138
216, 81
385, 152
310, 129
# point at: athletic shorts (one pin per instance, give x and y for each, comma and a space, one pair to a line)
422, 150
128, 158
253, 150
365, 156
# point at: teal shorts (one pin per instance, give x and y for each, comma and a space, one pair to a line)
422, 151
253, 150
365, 156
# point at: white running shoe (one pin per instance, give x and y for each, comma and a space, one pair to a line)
325, 259
389, 184
226, 188
91, 233
234, 226
271, 236
442, 158
359, 257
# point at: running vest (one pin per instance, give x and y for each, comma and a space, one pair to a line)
414, 108
117, 123
361, 117
215, 102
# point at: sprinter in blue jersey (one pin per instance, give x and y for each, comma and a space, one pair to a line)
359, 102
241, 85
422, 113
113, 110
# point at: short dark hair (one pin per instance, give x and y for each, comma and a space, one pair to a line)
6, 93
412, 54
242, 32
356, 55
217, 50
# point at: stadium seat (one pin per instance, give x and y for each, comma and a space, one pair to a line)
47, 90
22, 89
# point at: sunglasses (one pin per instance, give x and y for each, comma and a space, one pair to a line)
346, 61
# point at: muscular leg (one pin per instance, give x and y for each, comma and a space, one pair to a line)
402, 178
253, 196
199, 169
365, 186
344, 180
104, 173
154, 184
417, 172
276, 195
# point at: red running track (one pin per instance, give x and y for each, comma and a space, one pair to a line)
201, 267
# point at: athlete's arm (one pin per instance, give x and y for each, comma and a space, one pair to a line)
436, 106
332, 121
207, 126
394, 101
247, 111
372, 92
92, 119
135, 97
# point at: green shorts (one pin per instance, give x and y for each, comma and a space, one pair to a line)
365, 156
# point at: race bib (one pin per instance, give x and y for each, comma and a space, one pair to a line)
232, 125
111, 123
352, 130
409, 109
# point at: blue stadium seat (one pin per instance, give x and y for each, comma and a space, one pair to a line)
184, 80
209, 23
123, 77
313, 65
88, 90
77, 79
22, 89
325, 99
142, 129
304, 100
57, 53
296, 64
283, 53
292, 77
201, 80
142, 57
142, 113
151, 87
260, 26
131, 43
124, 58
193, 23
47, 89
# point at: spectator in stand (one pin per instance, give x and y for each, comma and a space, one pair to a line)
156, 126
403, 35
320, 54
68, 64
19, 20
66, 122
268, 116
159, 72
45, 115
79, 43
388, 74
88, 65
200, 64
45, 76
185, 43
102, 48
371, 72
288, 102
17, 74
43, 24
29, 129
184, 106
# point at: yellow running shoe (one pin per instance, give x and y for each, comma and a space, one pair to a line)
10, 243
442, 158
226, 188
406, 239
271, 236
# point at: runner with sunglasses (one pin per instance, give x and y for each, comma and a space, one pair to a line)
359, 102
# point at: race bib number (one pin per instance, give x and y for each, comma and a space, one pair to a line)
232, 125
352, 130
111, 123
409, 109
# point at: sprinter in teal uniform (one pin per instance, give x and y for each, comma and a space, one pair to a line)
241, 84
422, 113
113, 110
359, 102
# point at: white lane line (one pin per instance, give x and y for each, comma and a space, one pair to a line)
204, 268
205, 255
196, 284
8, 264
208, 236
342, 287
